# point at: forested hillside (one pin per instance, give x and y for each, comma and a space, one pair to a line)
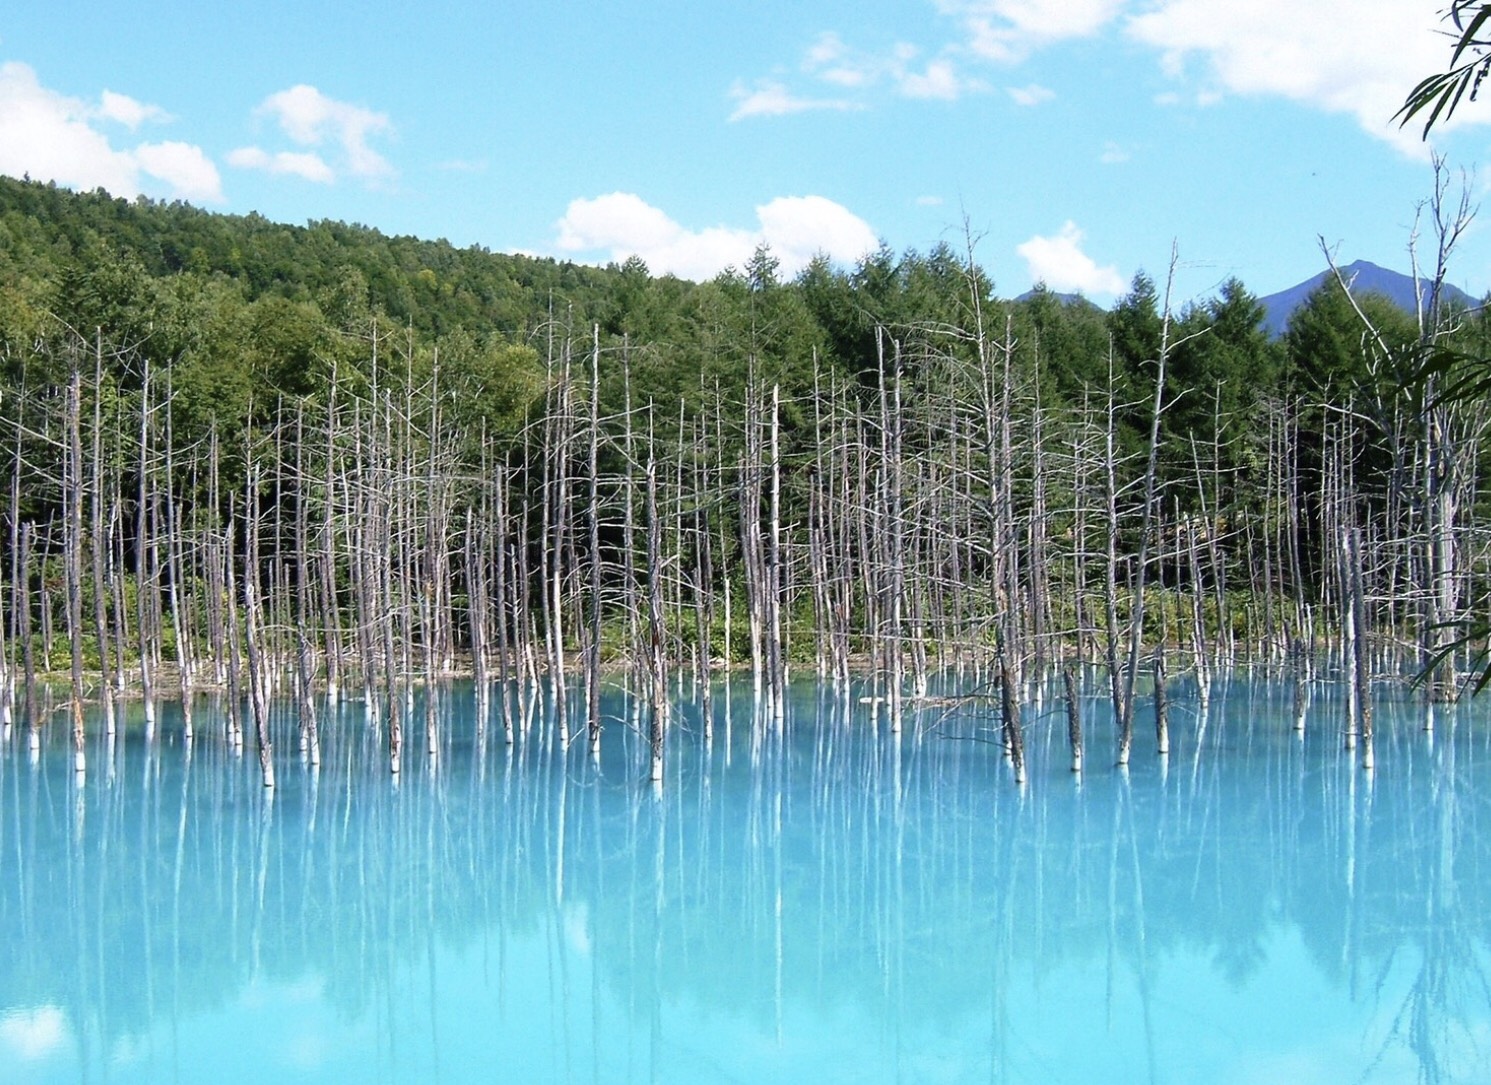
351, 459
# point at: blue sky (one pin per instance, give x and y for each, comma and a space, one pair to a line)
1077, 139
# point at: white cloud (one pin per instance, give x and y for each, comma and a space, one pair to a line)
797, 228
1007, 31
311, 119
773, 99
1113, 154
303, 164
1061, 264
184, 167
856, 73
1343, 56
833, 62
128, 112
800, 227
47, 135
1355, 58
938, 80
621, 221
929, 201
52, 137
1030, 95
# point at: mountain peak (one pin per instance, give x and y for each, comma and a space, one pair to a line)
1364, 277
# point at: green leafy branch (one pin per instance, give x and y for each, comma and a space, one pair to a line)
1470, 62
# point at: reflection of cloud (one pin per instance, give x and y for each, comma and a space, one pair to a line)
797, 228
1061, 264
577, 927
306, 1048
52, 137
33, 1034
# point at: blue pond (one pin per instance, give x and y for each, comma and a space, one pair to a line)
828, 903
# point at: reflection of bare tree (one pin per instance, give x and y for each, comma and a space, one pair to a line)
820, 872
1448, 998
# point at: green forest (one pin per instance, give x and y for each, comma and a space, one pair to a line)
245, 456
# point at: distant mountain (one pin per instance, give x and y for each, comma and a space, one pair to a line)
1364, 277
1065, 299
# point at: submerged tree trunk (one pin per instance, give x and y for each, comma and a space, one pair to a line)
1073, 715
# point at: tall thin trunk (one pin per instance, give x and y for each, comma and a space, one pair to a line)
73, 556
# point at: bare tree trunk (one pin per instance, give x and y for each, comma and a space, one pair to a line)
657, 666
1009, 694
1121, 691
310, 742
1362, 675
73, 556
176, 575
505, 621
1073, 715
23, 603
1151, 483
777, 660
593, 649
253, 634
100, 549
1161, 705
144, 550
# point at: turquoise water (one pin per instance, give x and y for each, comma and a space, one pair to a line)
829, 904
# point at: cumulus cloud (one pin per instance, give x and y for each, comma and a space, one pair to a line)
1032, 94
853, 74
1061, 264
939, 79
1007, 31
128, 112
52, 137
769, 98
303, 164
311, 119
1356, 57
831, 61
800, 227
184, 167
797, 228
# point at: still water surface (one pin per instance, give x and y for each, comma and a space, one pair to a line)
832, 904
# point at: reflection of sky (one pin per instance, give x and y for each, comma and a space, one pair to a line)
461, 1022
32, 1035
1254, 913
